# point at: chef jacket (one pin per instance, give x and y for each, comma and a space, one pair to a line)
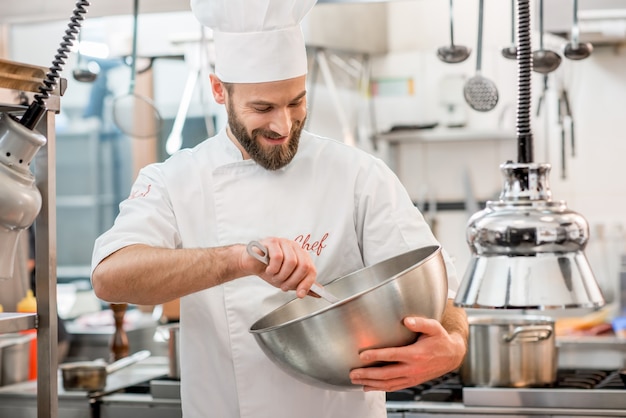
343, 205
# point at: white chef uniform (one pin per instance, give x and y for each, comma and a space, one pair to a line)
341, 204
209, 196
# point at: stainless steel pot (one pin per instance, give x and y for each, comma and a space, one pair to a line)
510, 351
171, 334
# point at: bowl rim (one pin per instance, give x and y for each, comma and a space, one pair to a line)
436, 249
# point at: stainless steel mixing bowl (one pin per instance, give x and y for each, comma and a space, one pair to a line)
319, 343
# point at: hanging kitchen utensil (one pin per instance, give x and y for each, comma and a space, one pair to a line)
510, 52
544, 60
575, 50
566, 123
82, 72
563, 142
264, 258
452, 53
480, 93
570, 118
135, 114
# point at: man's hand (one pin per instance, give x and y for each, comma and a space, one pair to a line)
435, 353
290, 267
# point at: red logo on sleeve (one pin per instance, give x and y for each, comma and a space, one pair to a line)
139, 193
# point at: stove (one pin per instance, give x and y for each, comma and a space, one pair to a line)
577, 392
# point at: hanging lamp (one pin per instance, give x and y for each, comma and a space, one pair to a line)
527, 249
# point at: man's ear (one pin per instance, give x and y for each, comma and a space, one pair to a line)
217, 87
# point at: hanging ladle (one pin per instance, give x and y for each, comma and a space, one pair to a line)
265, 259
452, 53
480, 92
82, 73
544, 60
576, 50
510, 52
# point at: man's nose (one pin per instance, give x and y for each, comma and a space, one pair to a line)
281, 122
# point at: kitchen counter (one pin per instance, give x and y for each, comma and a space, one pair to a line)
90, 335
603, 352
451, 410
131, 393
20, 400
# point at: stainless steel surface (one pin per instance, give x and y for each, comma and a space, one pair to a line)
573, 395
45, 274
527, 250
89, 341
171, 334
165, 389
319, 343
598, 399
455, 410
13, 321
15, 351
513, 351
139, 406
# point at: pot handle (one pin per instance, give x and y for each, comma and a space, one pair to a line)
528, 333
127, 361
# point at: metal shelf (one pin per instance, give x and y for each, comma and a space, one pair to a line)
13, 322
18, 100
45, 320
443, 135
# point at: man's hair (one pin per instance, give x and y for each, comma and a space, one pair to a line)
229, 87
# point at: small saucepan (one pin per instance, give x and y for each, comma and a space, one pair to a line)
91, 376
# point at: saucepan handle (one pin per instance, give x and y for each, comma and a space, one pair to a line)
530, 333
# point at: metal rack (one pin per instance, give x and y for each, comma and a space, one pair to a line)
45, 320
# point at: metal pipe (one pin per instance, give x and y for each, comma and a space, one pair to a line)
524, 66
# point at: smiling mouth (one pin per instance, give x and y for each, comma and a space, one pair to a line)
273, 140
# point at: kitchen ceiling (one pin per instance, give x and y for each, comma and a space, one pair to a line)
12, 11
46, 10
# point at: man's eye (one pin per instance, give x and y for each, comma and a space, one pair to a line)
263, 109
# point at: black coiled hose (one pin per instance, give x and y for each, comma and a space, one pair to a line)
524, 66
36, 110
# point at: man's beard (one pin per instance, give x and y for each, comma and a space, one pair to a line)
272, 157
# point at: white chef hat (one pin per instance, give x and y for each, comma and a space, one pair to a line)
256, 40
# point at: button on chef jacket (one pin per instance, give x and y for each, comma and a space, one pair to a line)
342, 204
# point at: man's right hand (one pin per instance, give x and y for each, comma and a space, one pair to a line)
290, 267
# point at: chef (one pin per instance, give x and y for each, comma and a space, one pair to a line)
322, 208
